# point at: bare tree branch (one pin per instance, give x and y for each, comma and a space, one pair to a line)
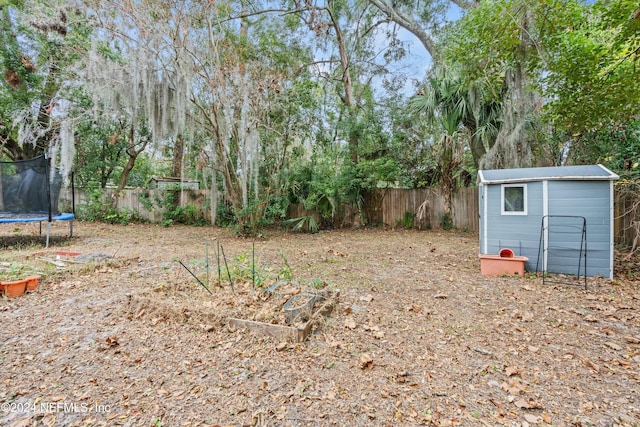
407, 22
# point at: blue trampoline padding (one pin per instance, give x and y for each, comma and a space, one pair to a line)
60, 217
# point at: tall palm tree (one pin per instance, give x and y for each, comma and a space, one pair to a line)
454, 106
466, 120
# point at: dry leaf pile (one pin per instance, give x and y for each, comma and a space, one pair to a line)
419, 337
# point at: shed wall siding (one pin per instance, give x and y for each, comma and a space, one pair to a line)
482, 206
588, 199
520, 233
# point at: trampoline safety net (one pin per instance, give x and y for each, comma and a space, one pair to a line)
28, 188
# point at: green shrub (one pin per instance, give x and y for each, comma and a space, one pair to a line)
97, 209
409, 218
172, 213
446, 221
188, 214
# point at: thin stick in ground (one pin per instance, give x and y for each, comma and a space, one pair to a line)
218, 262
195, 277
227, 267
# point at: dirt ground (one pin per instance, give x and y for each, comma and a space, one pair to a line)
123, 334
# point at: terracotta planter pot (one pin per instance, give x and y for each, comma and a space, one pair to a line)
32, 283
496, 265
13, 288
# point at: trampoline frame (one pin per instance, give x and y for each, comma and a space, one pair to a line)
63, 216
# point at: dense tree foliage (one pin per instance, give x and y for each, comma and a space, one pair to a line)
571, 65
269, 104
40, 43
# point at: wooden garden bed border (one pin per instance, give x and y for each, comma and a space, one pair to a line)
283, 332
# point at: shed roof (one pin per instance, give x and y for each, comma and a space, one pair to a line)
553, 173
171, 179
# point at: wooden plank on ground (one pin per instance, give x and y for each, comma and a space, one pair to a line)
283, 332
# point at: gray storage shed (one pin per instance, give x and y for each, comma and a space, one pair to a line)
513, 203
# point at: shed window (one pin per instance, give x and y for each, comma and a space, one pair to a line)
514, 199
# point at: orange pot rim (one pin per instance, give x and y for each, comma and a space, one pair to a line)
12, 282
17, 281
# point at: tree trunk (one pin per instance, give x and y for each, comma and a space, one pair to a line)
478, 150
348, 87
132, 153
512, 148
178, 157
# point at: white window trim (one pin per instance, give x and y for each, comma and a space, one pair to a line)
524, 195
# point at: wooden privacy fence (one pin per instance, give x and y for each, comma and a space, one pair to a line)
425, 208
627, 220
132, 199
399, 208
392, 207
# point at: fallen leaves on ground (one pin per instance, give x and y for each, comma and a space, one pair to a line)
418, 336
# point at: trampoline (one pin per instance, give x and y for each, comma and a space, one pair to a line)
29, 192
